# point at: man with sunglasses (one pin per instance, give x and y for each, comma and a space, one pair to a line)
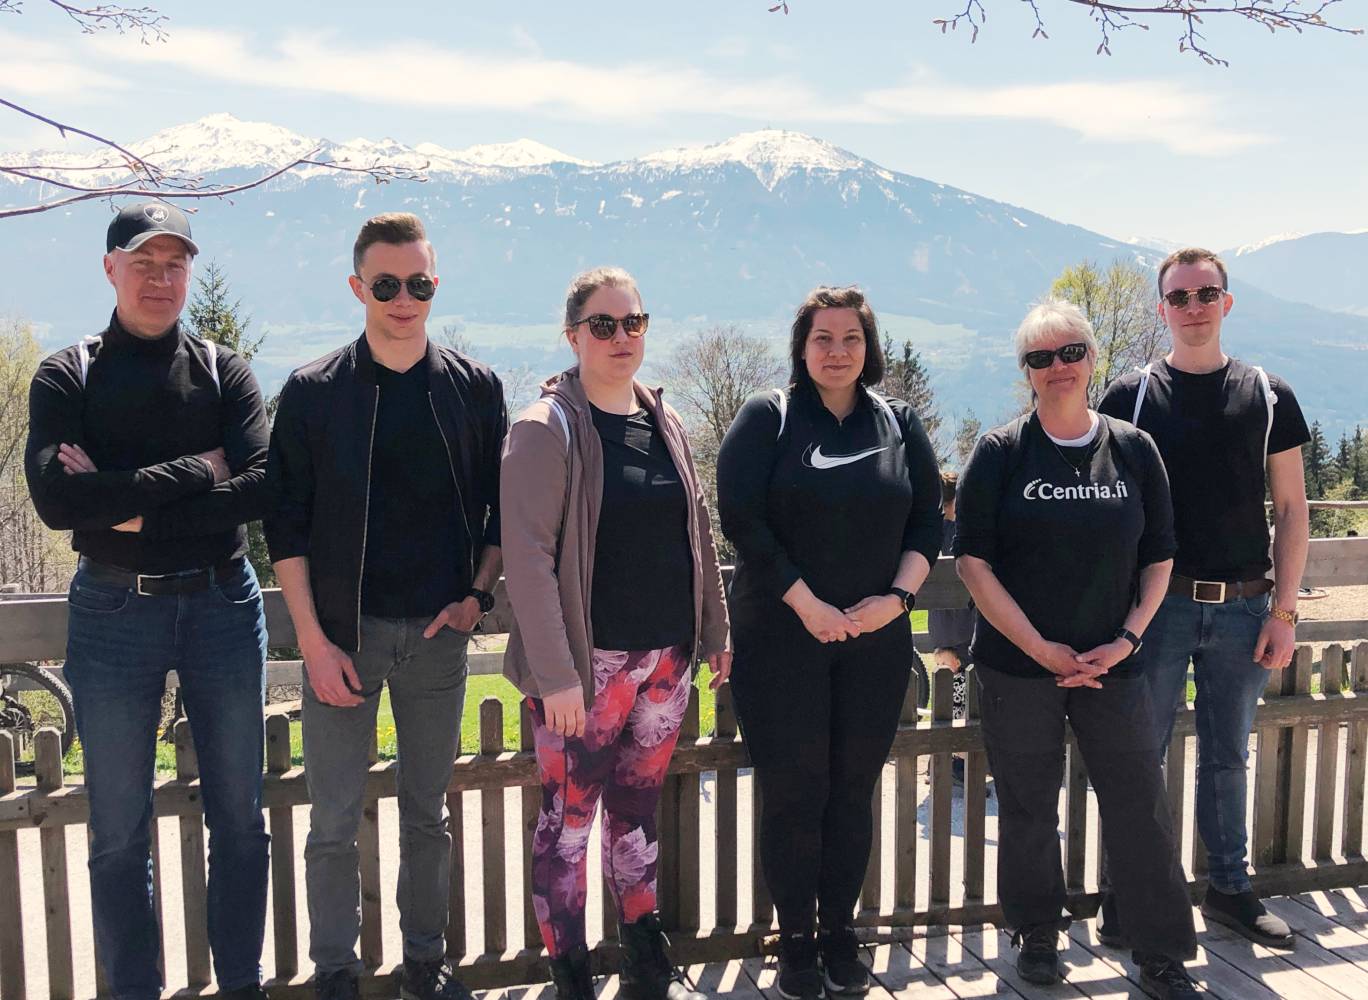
149, 445
384, 464
1225, 430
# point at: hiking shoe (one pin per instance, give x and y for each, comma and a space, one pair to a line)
570, 972
1038, 960
338, 985
799, 978
1109, 930
1165, 979
430, 980
1245, 915
647, 972
842, 970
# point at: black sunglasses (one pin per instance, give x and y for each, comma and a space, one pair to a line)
1207, 294
420, 286
1070, 354
603, 326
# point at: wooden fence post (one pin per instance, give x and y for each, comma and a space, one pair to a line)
47, 759
1357, 737
905, 812
975, 798
492, 829
11, 913
942, 795
1293, 779
1327, 755
286, 929
194, 888
726, 832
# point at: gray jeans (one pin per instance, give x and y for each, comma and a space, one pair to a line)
427, 679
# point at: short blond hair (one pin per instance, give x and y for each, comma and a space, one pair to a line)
1045, 318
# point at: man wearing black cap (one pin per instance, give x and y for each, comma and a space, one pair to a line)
149, 444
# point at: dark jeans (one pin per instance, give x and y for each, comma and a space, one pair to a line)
120, 646
818, 720
1023, 728
427, 680
1219, 640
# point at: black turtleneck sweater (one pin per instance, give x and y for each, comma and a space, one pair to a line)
146, 409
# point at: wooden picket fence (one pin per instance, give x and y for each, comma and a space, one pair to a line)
1307, 830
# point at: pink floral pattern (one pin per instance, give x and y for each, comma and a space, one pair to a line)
630, 733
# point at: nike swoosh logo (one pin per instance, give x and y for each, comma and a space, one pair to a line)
817, 460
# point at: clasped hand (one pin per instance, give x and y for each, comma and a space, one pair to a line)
1073, 669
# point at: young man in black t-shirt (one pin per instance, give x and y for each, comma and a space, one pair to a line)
1225, 430
384, 464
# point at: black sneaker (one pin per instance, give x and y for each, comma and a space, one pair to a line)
1109, 930
799, 978
1038, 960
339, 985
842, 970
1245, 915
647, 973
572, 976
253, 992
431, 980
1165, 979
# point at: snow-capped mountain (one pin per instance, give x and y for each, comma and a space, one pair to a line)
1321, 269
734, 232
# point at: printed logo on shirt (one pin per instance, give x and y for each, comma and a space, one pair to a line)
1038, 489
814, 459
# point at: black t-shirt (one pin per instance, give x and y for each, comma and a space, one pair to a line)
833, 502
417, 559
146, 408
1210, 430
1066, 531
642, 591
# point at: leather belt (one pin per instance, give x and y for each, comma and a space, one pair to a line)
160, 584
1218, 591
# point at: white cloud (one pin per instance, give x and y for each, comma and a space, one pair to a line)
1186, 121
40, 69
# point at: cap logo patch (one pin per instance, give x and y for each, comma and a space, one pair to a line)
156, 213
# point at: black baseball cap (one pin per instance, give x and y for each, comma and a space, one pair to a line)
137, 223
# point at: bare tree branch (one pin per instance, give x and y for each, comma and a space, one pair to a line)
1114, 17
150, 25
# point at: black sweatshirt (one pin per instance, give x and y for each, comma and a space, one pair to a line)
1065, 530
148, 407
835, 503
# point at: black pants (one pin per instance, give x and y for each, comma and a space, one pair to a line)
1023, 727
818, 720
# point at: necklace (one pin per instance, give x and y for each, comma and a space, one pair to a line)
1077, 469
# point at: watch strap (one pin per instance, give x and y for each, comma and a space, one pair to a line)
909, 599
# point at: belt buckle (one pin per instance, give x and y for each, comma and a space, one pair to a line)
1197, 584
138, 582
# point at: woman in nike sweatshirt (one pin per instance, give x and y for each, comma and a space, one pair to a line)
831, 496
616, 593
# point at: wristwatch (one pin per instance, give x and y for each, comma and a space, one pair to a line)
909, 599
484, 597
1130, 637
1291, 617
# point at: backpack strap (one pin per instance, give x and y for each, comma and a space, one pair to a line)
882, 404
1140, 393
559, 414
781, 401
83, 355
213, 362
1270, 400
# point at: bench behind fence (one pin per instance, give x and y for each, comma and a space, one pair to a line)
939, 874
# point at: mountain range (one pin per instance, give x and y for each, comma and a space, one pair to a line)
732, 233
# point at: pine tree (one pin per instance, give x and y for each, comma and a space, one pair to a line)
215, 316
907, 378
1316, 459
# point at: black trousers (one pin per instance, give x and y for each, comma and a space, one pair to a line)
818, 720
1023, 727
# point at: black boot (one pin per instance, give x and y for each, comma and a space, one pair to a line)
571, 975
647, 972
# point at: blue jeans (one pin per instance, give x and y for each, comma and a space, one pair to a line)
120, 646
1219, 640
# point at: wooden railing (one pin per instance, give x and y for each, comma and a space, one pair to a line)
949, 879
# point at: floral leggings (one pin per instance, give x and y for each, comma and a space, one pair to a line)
629, 735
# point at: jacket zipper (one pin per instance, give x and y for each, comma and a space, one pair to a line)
455, 481
365, 519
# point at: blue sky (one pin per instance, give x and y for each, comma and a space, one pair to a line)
1146, 142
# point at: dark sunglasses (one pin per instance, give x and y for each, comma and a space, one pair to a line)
420, 286
1207, 294
1070, 354
603, 326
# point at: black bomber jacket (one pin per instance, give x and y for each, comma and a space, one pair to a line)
318, 469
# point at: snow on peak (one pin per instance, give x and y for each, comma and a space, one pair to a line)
520, 153
1259, 245
772, 154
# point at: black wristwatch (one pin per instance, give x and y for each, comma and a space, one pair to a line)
909, 599
1130, 637
485, 598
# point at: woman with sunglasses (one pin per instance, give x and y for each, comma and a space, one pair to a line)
616, 593
831, 496
1065, 540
